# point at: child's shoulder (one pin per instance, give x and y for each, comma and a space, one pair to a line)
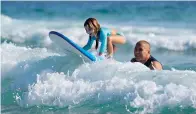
105, 30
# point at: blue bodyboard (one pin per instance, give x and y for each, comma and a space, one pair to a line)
67, 44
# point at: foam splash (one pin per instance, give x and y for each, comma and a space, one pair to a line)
134, 84
22, 31
13, 55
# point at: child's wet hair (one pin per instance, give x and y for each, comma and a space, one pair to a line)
92, 23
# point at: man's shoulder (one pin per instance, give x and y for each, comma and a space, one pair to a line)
153, 58
133, 60
157, 65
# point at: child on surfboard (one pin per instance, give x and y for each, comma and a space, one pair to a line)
107, 37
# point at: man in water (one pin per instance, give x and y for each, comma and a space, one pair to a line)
142, 55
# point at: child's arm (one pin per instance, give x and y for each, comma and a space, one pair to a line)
103, 44
89, 44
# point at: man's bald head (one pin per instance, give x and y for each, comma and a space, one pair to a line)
144, 44
142, 51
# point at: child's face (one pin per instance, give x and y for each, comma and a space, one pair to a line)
89, 31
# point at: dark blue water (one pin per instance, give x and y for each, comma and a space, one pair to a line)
127, 11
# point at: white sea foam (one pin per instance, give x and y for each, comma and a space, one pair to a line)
105, 81
177, 39
12, 56
21, 31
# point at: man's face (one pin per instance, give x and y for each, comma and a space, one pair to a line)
141, 52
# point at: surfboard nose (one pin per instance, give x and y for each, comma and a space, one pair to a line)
66, 43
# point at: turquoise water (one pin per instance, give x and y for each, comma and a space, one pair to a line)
37, 78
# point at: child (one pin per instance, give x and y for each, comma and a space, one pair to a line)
107, 37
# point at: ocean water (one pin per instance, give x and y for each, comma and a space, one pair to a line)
36, 78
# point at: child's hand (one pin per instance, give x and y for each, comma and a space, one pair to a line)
108, 56
100, 53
